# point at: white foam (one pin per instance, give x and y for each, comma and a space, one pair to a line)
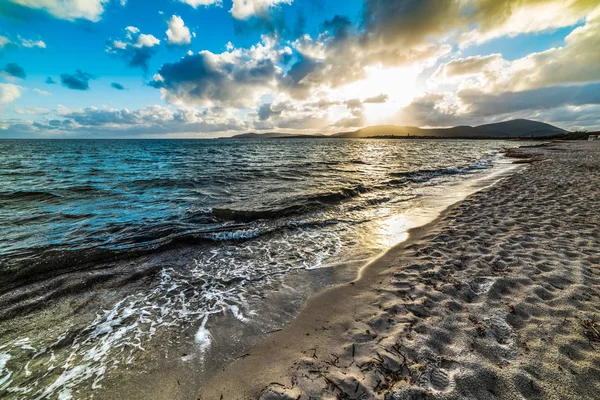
3, 360
203, 336
238, 314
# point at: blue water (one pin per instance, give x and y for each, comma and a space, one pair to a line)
243, 210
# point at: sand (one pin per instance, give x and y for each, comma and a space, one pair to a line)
496, 299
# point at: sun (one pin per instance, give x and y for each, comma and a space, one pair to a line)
384, 91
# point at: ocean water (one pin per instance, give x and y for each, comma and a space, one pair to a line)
104, 244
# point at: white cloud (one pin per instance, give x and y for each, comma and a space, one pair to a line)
236, 78
178, 33
68, 9
145, 40
197, 3
32, 111
498, 18
9, 92
32, 43
136, 48
245, 9
4, 41
573, 63
41, 92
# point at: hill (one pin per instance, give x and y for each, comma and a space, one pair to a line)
523, 128
514, 128
520, 127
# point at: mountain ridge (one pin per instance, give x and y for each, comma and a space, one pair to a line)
512, 128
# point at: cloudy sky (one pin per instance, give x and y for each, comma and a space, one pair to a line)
206, 68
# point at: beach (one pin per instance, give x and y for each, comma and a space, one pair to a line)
498, 298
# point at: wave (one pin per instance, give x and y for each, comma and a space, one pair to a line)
39, 264
28, 195
425, 175
300, 205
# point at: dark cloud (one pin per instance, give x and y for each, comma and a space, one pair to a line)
77, 81
135, 57
483, 107
205, 78
117, 86
272, 22
485, 104
50, 81
140, 57
301, 69
353, 104
409, 21
136, 48
382, 98
265, 112
339, 26
14, 69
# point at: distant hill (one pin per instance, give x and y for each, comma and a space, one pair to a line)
515, 128
392, 130
520, 127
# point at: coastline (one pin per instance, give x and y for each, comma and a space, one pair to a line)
486, 301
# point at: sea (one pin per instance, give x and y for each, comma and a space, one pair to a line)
114, 250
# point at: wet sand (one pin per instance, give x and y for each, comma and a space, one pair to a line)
495, 299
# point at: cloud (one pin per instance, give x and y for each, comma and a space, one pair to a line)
498, 18
178, 33
197, 3
9, 92
50, 81
117, 86
41, 92
69, 10
31, 111
77, 81
573, 63
29, 43
382, 98
4, 41
245, 9
486, 104
474, 107
136, 48
14, 70
466, 66
265, 112
235, 78
149, 121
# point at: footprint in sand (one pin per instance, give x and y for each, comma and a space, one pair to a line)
481, 285
439, 379
499, 329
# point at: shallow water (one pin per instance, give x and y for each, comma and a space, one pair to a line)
190, 226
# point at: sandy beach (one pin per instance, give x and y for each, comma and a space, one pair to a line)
498, 298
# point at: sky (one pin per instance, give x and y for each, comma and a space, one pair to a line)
211, 68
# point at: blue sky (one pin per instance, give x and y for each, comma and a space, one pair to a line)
203, 68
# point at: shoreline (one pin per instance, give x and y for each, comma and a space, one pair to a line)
181, 377
318, 310
388, 332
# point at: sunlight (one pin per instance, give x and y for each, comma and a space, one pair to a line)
399, 84
394, 230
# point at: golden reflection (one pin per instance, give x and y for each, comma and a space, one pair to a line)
393, 229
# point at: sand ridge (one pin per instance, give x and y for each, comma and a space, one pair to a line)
497, 300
